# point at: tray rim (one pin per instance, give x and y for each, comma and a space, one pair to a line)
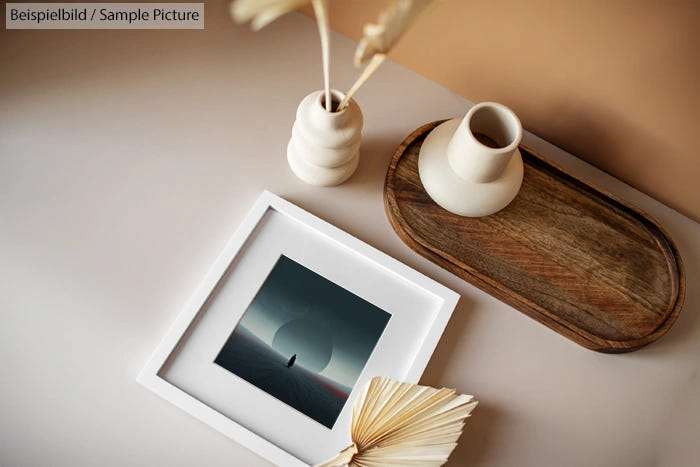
520, 303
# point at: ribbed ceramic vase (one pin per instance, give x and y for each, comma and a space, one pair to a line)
324, 149
472, 166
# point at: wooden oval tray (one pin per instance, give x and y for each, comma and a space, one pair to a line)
580, 261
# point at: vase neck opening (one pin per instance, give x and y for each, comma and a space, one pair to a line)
483, 143
336, 98
495, 128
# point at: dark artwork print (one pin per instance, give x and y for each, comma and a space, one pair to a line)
304, 340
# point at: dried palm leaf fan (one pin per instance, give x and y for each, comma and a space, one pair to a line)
396, 423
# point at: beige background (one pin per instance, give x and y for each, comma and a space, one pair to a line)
614, 82
127, 159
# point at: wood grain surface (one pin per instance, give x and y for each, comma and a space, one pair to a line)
580, 261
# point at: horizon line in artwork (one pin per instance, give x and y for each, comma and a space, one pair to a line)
304, 340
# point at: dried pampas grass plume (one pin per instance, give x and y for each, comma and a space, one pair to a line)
396, 423
381, 36
391, 25
260, 13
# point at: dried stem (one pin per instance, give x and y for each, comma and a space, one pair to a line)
377, 59
321, 13
343, 458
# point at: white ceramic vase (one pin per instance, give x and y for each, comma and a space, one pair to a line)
324, 149
472, 166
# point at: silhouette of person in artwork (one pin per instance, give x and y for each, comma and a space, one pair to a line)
291, 361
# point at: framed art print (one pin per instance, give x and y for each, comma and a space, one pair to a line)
292, 320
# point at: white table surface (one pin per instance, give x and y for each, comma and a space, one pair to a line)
127, 158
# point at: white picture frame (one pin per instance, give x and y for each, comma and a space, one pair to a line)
182, 368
